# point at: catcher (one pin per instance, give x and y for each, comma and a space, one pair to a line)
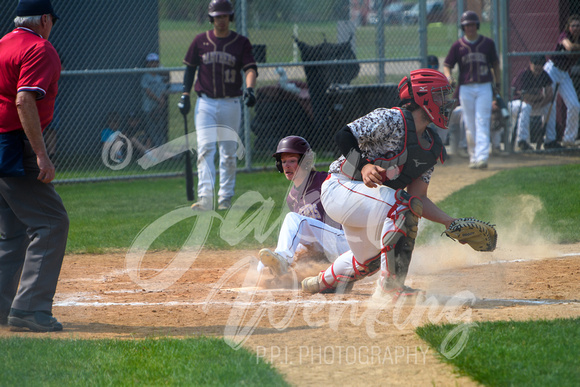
383, 153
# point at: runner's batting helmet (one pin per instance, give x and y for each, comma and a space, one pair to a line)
430, 90
220, 7
469, 17
294, 144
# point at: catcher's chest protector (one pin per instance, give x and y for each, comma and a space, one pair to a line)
414, 159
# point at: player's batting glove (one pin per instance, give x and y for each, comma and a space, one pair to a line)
184, 104
250, 97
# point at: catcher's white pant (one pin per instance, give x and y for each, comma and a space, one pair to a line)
217, 121
526, 111
366, 216
476, 100
568, 94
299, 230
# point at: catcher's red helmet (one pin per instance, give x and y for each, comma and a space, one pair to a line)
469, 17
430, 90
220, 7
292, 144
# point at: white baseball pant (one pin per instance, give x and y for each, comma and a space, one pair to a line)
299, 230
217, 121
476, 100
568, 94
523, 121
366, 216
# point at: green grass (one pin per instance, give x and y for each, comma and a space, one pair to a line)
400, 40
185, 362
108, 216
509, 353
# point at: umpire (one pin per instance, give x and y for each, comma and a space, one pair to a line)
33, 221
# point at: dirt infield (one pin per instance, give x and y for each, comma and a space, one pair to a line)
326, 339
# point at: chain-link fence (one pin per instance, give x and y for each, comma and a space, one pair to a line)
321, 64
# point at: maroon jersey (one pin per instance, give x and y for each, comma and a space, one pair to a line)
564, 62
219, 62
27, 63
305, 200
474, 59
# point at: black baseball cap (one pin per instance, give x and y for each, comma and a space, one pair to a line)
35, 8
538, 59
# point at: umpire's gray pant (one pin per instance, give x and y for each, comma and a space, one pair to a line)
33, 233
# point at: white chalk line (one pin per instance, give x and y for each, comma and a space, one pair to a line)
97, 304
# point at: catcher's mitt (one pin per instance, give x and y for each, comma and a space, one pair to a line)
480, 235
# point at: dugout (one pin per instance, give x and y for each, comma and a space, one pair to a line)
98, 42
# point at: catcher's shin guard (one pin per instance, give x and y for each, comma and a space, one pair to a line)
398, 244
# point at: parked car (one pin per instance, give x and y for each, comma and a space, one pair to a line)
435, 13
392, 13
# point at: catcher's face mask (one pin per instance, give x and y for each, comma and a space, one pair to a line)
443, 98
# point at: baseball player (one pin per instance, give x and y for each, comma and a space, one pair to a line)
382, 153
33, 221
532, 97
307, 224
220, 55
558, 68
476, 57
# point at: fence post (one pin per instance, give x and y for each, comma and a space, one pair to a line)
243, 20
423, 32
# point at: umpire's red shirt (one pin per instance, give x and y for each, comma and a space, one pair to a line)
28, 62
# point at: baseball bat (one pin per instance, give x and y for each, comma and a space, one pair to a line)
548, 115
188, 170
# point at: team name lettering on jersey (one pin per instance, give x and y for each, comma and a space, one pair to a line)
219, 57
474, 57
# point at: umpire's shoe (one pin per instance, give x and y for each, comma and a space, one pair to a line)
39, 321
275, 262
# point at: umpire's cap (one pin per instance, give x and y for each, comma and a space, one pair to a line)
35, 8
